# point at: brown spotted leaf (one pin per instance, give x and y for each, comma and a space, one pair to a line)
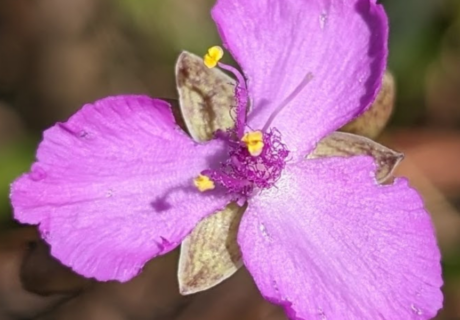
210, 254
341, 144
374, 120
206, 97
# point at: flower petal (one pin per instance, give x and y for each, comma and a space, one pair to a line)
342, 144
113, 186
371, 123
330, 243
210, 254
206, 97
279, 44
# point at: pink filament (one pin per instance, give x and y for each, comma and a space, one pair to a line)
243, 174
241, 94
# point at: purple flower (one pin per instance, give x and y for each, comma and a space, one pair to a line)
119, 183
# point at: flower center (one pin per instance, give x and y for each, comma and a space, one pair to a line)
254, 163
255, 159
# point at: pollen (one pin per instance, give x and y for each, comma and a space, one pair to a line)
213, 56
203, 183
254, 142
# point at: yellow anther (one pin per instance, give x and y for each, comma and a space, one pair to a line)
213, 56
254, 142
203, 183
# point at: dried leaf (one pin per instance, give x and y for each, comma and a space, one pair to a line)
206, 97
374, 120
210, 254
341, 144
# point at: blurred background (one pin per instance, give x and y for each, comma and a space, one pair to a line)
56, 55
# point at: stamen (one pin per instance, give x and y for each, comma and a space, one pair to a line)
242, 174
203, 183
213, 56
288, 99
254, 142
211, 59
241, 94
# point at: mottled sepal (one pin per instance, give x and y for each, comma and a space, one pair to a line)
206, 97
341, 144
374, 120
210, 254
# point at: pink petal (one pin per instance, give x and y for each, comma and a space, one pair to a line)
113, 186
330, 243
277, 43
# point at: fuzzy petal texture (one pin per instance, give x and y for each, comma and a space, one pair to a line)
113, 186
339, 246
279, 43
